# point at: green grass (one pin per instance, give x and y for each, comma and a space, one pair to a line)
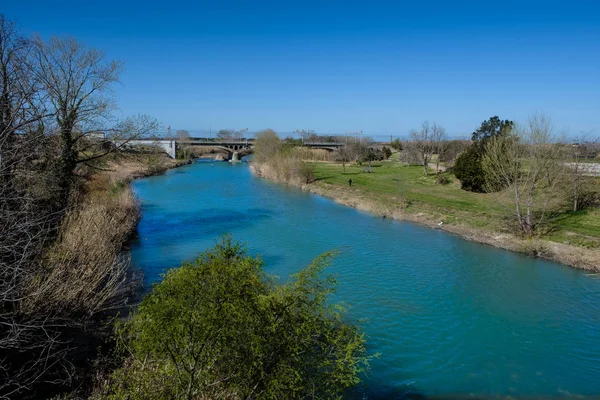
393, 183
581, 228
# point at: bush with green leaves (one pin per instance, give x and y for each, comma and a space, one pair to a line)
397, 145
219, 327
442, 179
469, 171
387, 152
469, 168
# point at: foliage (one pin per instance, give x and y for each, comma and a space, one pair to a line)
266, 145
387, 152
396, 144
276, 160
468, 167
372, 155
219, 327
306, 172
442, 179
491, 128
291, 142
528, 164
469, 171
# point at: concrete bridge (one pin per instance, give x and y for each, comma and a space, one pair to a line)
235, 149
168, 146
323, 145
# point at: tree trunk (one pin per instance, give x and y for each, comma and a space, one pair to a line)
68, 161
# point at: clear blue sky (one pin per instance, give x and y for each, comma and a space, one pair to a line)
382, 67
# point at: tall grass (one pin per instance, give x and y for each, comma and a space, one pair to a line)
276, 162
84, 271
308, 154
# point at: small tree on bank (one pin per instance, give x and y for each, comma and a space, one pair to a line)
468, 168
439, 142
529, 165
220, 328
469, 171
581, 188
423, 144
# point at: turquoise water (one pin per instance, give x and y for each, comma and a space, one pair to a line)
449, 317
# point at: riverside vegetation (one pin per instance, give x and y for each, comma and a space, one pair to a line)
527, 190
66, 211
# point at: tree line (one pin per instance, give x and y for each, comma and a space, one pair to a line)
56, 109
539, 170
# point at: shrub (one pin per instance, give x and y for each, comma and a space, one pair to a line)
469, 171
220, 328
277, 161
396, 145
387, 152
306, 173
441, 179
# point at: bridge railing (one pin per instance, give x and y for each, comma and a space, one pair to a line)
217, 142
324, 144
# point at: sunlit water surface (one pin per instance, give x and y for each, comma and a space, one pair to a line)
448, 316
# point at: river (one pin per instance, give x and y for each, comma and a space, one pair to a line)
448, 316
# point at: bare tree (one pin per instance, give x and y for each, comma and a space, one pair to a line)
224, 134
439, 142
579, 183
452, 150
30, 350
528, 163
305, 134
344, 155
59, 85
267, 145
423, 144
77, 80
182, 137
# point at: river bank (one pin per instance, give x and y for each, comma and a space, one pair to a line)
90, 269
364, 199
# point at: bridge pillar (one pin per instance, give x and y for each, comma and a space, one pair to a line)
235, 156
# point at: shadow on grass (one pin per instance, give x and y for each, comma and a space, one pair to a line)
322, 178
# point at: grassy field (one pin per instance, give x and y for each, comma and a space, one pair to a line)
394, 184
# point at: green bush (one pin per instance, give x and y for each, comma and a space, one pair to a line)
442, 179
397, 144
220, 328
387, 152
469, 171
